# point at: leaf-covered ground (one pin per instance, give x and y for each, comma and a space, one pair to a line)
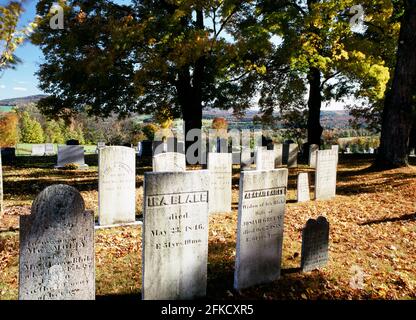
372, 237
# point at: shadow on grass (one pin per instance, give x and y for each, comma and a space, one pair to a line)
405, 217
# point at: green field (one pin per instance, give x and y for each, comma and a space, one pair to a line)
6, 108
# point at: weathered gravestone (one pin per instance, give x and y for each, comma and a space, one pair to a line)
175, 235
38, 150
290, 154
278, 153
303, 187
326, 174
315, 238
246, 158
56, 259
265, 159
49, 149
313, 148
1, 187
261, 213
220, 170
169, 161
71, 154
336, 149
117, 186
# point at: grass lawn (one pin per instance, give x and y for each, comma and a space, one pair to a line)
372, 235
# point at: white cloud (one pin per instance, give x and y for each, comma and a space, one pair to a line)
2, 86
19, 89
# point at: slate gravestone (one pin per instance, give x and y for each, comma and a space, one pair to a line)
117, 186
38, 150
169, 161
326, 174
49, 149
265, 159
175, 235
312, 155
278, 153
220, 171
72, 142
147, 148
8, 155
56, 259
261, 213
315, 238
246, 158
303, 187
71, 154
1, 187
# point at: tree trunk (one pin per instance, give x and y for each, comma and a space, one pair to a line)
400, 102
314, 106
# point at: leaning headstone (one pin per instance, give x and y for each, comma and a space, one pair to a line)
116, 185
175, 235
49, 149
326, 174
315, 238
265, 159
278, 153
38, 150
1, 188
169, 161
261, 213
57, 259
71, 154
312, 155
220, 170
303, 187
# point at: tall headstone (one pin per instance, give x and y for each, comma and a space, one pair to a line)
246, 158
220, 170
336, 149
313, 148
265, 159
292, 160
175, 235
261, 213
71, 154
169, 162
57, 259
38, 150
116, 185
1, 188
278, 153
326, 174
315, 238
303, 187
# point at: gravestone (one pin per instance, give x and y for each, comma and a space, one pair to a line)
1, 187
278, 153
236, 155
220, 171
116, 185
8, 155
292, 160
169, 161
139, 149
181, 147
265, 159
246, 158
72, 142
303, 187
38, 150
175, 235
261, 213
71, 154
49, 149
312, 155
315, 238
326, 174
147, 148
56, 259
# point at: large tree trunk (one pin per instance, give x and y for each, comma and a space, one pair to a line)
400, 102
314, 105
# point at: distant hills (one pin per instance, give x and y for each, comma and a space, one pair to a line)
329, 119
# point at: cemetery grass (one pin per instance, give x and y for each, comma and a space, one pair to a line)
372, 236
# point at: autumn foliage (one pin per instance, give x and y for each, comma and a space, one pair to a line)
8, 129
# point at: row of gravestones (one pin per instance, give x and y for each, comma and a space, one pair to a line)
56, 260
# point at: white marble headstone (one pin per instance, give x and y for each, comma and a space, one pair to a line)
116, 185
261, 213
169, 162
175, 235
38, 150
265, 159
326, 174
69, 154
303, 187
313, 148
220, 171
278, 150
